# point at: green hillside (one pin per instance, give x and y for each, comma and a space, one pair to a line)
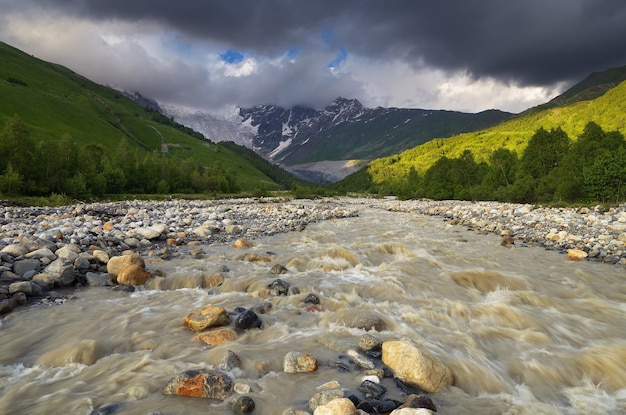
579, 146
608, 111
55, 104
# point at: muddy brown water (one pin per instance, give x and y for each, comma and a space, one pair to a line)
524, 330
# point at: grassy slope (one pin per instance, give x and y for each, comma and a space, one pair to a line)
608, 111
56, 101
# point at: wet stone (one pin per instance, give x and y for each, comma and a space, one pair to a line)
23, 266
279, 287
279, 269
216, 337
21, 287
207, 317
243, 405
200, 383
369, 342
229, 361
323, 397
367, 322
419, 401
248, 320
311, 299
372, 389
296, 362
361, 360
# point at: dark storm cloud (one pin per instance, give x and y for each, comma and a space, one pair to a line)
531, 42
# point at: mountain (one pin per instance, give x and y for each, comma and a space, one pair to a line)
346, 130
593, 86
326, 145
54, 103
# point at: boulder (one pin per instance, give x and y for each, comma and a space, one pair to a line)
44, 279
21, 287
367, 321
207, 317
325, 396
229, 361
42, 253
200, 383
576, 255
15, 249
133, 274
341, 406
118, 263
21, 267
68, 252
61, 272
416, 366
212, 281
96, 279
296, 362
247, 320
151, 232
216, 337
242, 244
243, 404
100, 256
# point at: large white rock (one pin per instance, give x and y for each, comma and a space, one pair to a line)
151, 232
416, 366
341, 406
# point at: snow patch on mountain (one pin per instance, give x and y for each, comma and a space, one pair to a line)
281, 146
228, 126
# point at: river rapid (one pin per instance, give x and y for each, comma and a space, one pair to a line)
524, 330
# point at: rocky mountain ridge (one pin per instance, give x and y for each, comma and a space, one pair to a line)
298, 138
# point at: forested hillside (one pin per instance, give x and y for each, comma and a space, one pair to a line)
579, 147
62, 133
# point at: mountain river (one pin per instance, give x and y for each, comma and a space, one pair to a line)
524, 330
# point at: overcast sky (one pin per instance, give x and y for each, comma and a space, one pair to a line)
466, 55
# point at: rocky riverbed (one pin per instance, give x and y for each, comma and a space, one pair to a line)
46, 253
45, 249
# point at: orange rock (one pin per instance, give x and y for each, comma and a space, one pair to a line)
216, 337
576, 255
242, 244
201, 383
117, 263
212, 281
207, 317
108, 226
133, 274
257, 258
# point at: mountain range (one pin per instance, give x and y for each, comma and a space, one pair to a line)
326, 145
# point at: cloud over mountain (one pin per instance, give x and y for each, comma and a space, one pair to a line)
453, 54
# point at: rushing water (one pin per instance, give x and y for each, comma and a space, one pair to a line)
524, 330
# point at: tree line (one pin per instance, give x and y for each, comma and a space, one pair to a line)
64, 167
551, 169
